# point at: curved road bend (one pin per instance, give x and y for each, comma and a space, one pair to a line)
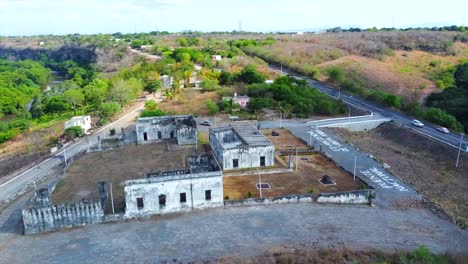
452, 139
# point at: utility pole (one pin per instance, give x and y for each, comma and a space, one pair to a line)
281, 120
297, 154
354, 171
64, 155
310, 139
260, 183
459, 150
112, 199
349, 113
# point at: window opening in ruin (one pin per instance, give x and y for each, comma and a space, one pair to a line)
159, 135
145, 136
140, 203
235, 163
208, 195
162, 200
183, 198
262, 161
172, 134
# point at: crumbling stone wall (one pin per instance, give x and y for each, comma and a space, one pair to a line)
352, 197
37, 219
300, 198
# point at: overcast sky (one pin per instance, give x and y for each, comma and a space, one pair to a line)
32, 17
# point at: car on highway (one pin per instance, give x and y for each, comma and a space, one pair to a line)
443, 130
206, 123
417, 123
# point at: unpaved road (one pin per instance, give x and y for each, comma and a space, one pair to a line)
237, 231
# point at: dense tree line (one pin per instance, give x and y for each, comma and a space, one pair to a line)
292, 97
454, 100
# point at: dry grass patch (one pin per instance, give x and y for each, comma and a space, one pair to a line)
190, 102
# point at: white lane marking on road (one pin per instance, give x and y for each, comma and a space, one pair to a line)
382, 179
327, 141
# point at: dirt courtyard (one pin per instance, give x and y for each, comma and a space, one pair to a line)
116, 166
310, 170
285, 140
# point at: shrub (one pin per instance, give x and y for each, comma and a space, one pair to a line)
335, 74
209, 85
74, 132
249, 194
442, 118
152, 112
112, 131
107, 109
212, 106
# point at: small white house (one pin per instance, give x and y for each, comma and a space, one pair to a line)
216, 57
82, 121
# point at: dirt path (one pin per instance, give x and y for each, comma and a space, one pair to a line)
240, 231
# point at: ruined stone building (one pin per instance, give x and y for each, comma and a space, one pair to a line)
199, 185
183, 128
241, 146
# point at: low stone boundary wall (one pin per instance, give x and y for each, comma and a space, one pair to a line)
352, 197
55, 217
300, 198
254, 172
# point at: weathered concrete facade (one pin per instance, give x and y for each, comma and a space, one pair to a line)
42, 216
200, 185
241, 146
183, 128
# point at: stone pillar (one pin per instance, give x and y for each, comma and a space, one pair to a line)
99, 143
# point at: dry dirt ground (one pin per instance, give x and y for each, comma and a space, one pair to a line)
427, 165
116, 166
285, 140
304, 180
311, 169
190, 102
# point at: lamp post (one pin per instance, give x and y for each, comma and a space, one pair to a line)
459, 150
281, 120
259, 183
354, 171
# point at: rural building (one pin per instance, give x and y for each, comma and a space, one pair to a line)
199, 185
241, 146
82, 121
241, 100
166, 81
216, 57
183, 128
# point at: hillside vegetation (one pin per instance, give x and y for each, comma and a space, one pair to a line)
398, 69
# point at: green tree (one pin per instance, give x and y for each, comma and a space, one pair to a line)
226, 78
96, 91
74, 97
335, 74
56, 104
461, 76
107, 109
250, 75
212, 106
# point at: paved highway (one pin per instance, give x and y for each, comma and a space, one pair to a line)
452, 139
